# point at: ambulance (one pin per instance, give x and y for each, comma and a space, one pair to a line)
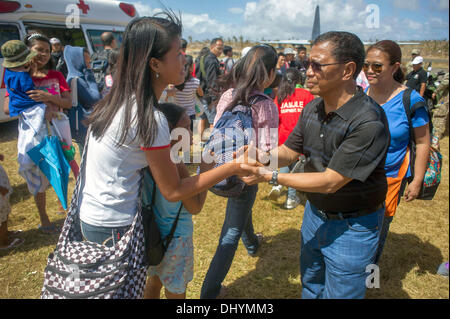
74, 22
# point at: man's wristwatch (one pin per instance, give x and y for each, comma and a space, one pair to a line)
274, 180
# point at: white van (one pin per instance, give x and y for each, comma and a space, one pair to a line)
20, 17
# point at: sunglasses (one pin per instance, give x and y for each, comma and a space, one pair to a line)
317, 67
376, 67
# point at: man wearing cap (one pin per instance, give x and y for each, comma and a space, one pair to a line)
417, 79
290, 57
58, 57
414, 53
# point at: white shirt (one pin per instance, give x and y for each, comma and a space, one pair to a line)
111, 191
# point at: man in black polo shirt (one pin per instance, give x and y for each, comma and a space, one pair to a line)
344, 135
417, 79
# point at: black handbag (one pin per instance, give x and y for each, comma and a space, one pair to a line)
155, 245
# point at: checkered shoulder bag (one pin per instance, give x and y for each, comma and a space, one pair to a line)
81, 269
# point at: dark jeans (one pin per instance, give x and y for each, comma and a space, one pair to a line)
238, 224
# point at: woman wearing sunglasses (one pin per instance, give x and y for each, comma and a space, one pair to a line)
383, 71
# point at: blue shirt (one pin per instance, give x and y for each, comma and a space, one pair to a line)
17, 84
399, 130
166, 212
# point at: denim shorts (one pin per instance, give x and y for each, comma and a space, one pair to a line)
107, 236
177, 267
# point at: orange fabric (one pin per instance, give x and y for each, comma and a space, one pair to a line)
394, 184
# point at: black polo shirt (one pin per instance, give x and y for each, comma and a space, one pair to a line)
416, 78
353, 141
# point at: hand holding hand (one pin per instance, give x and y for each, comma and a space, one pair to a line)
251, 155
252, 175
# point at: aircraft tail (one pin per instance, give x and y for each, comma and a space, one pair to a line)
316, 25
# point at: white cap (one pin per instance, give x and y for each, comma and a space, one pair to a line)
289, 51
245, 51
54, 40
417, 60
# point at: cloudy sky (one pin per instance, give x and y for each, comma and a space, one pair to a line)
292, 19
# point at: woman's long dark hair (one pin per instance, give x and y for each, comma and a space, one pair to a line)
394, 52
187, 66
144, 38
30, 40
250, 73
291, 78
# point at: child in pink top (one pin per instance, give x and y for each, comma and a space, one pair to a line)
248, 78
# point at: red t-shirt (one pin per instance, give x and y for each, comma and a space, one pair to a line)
289, 112
54, 83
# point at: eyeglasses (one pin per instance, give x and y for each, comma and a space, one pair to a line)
376, 67
317, 67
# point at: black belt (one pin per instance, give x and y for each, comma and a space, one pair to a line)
344, 215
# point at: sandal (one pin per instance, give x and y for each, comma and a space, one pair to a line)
14, 244
49, 230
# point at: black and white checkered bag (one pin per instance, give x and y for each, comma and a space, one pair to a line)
82, 269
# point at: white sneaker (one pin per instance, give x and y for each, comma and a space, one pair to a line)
275, 192
291, 203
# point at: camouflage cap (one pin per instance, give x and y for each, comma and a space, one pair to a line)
16, 54
415, 51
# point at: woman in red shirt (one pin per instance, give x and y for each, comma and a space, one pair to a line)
291, 99
52, 90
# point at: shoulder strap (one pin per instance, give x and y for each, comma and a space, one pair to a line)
411, 145
169, 237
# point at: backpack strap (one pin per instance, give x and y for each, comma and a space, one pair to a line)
202, 68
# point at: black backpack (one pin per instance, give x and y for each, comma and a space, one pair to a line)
99, 64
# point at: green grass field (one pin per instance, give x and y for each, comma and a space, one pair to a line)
417, 244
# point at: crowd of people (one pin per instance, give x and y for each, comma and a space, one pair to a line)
342, 146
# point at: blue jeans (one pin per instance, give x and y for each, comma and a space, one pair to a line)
387, 220
334, 254
103, 235
292, 192
238, 224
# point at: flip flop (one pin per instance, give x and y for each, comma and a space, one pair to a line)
13, 233
14, 244
49, 230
